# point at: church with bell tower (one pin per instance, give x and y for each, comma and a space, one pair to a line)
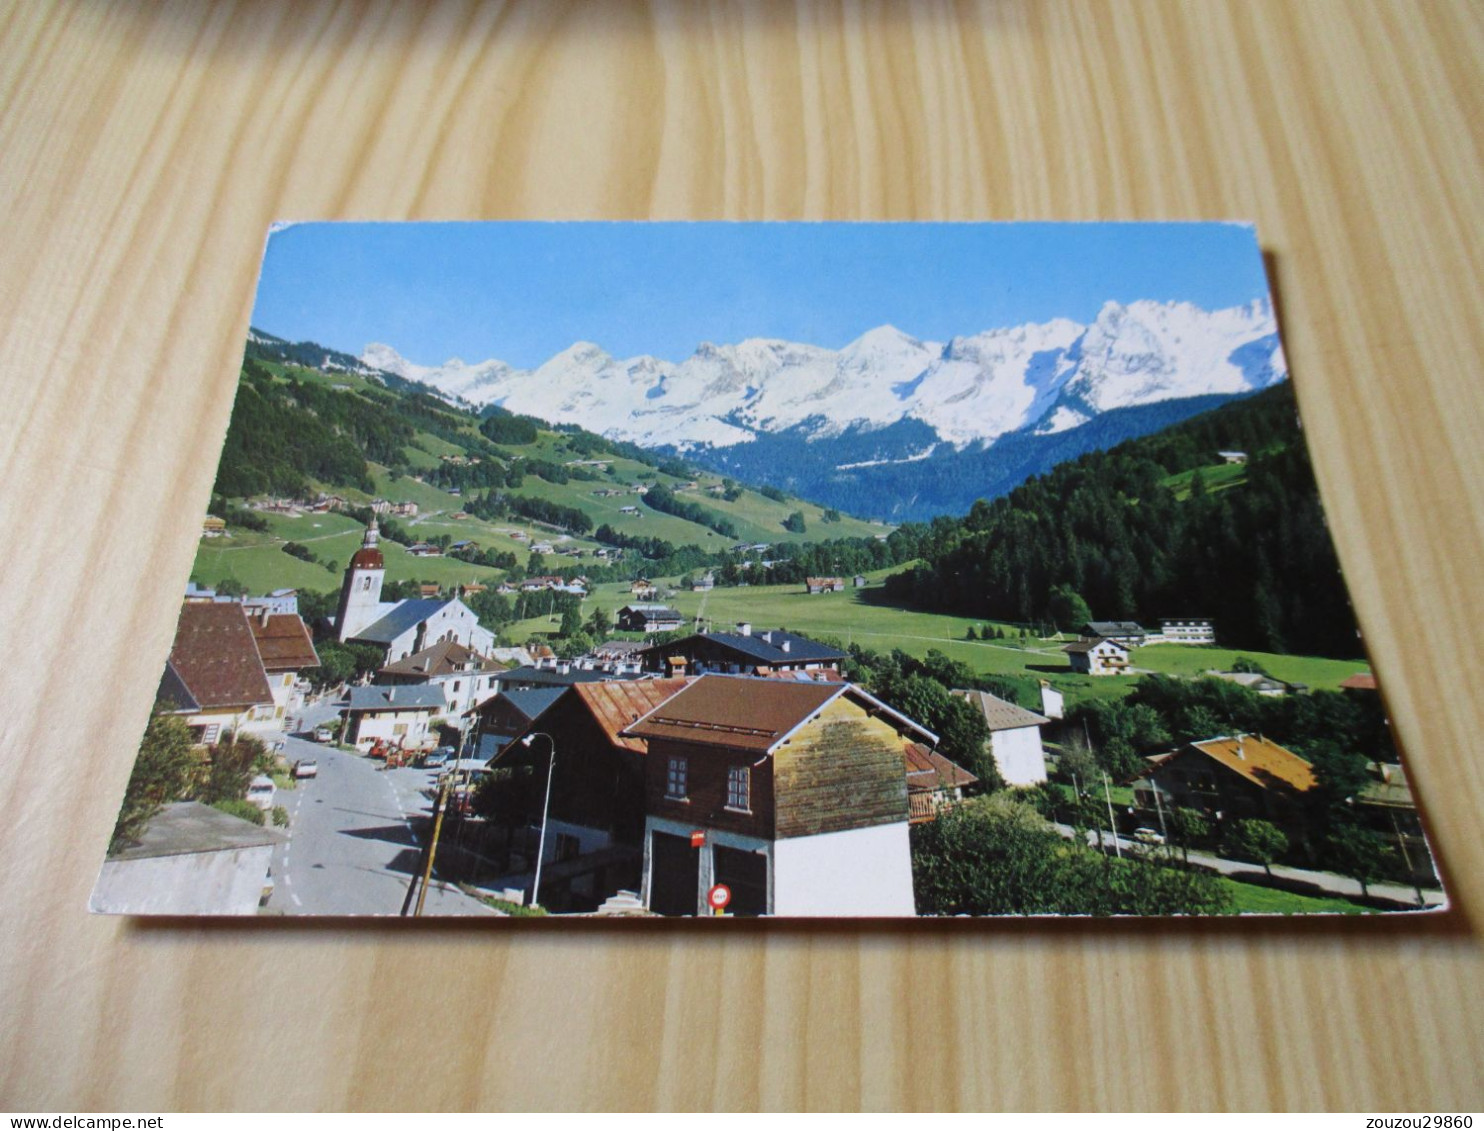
399, 628
360, 592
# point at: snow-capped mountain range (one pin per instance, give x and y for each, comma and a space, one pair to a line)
1038, 378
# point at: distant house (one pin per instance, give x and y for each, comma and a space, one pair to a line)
424, 550
404, 510
1233, 457
704, 583
191, 860
793, 795
649, 618
1187, 630
563, 675
933, 782
1098, 657
643, 589
542, 548
1052, 701
1014, 737
428, 589
1252, 681
396, 716
824, 584
1238, 777
859, 581
543, 581
743, 652
628, 510
1126, 632
1360, 682
214, 678
213, 527
465, 677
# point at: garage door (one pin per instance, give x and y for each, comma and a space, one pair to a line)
675, 873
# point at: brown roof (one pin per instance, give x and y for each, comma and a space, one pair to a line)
927, 770
367, 557
216, 658
283, 641
746, 714
1261, 761
1360, 681
620, 703
1001, 714
444, 658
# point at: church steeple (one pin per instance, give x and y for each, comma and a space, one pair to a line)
360, 593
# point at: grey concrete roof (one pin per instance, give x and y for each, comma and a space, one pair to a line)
189, 827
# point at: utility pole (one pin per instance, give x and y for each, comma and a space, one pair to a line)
422, 893
1112, 821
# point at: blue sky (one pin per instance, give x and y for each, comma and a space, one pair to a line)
522, 292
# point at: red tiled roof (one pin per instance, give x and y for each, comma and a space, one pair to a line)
283, 641
216, 658
443, 658
928, 770
1360, 681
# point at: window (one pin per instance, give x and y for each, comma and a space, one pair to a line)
675, 780
739, 788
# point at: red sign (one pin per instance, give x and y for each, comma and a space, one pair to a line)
719, 896
697, 838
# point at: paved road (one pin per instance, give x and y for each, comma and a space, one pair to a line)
1330, 882
352, 850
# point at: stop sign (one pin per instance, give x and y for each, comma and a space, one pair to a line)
719, 896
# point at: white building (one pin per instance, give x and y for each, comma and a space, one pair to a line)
466, 678
1187, 630
1014, 738
1098, 657
398, 716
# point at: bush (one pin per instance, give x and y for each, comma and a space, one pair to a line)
280, 817
244, 809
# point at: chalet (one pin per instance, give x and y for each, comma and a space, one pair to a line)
744, 652
214, 678
649, 618
404, 510
285, 649
466, 678
540, 582
213, 527
703, 584
429, 589
1098, 657
1362, 683
280, 602
1014, 737
628, 510
1126, 632
424, 550
793, 795
824, 584
542, 548
1187, 630
933, 782
596, 815
500, 719
1230, 778
397, 716
643, 589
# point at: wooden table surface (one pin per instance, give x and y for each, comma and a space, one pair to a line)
146, 147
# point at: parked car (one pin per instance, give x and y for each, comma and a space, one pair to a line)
1148, 836
437, 759
306, 768
260, 792
324, 734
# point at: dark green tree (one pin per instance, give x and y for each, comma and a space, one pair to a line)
1257, 840
164, 771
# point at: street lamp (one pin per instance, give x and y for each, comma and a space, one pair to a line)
545, 808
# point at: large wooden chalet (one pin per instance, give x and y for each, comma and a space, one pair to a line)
744, 652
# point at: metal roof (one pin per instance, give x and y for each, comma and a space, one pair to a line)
619, 704
407, 614
735, 711
413, 697
533, 701
1000, 714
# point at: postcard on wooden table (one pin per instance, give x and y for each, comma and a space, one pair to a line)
765, 570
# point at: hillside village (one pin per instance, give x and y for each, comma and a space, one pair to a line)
583, 679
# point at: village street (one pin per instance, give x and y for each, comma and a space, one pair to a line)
351, 848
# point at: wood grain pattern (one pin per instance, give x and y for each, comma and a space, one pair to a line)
145, 150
